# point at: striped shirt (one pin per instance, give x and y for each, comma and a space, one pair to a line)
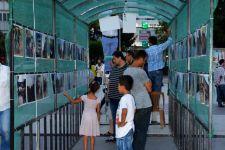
219, 76
155, 55
114, 81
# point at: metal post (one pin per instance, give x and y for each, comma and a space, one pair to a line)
210, 73
11, 64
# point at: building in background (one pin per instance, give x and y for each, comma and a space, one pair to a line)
4, 16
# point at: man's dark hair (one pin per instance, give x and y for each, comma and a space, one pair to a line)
131, 53
221, 61
140, 54
126, 81
119, 54
152, 40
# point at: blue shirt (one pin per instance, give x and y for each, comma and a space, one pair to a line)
155, 55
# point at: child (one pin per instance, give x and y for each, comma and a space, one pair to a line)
125, 115
90, 119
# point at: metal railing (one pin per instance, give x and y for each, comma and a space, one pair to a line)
55, 130
188, 131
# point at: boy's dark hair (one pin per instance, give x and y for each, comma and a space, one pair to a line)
152, 40
140, 54
94, 86
131, 53
221, 61
126, 81
119, 54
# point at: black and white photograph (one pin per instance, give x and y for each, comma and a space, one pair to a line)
185, 83
204, 39
60, 48
38, 44
190, 41
21, 89
66, 82
30, 87
44, 46
192, 83
199, 42
29, 43
59, 82
66, 49
51, 53
72, 81
194, 44
75, 78
53, 77
45, 85
18, 33
39, 87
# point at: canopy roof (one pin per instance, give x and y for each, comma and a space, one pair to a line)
91, 10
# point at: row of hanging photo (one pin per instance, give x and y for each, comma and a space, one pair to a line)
197, 85
34, 87
198, 45
29, 43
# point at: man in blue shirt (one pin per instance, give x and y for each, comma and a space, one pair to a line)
155, 60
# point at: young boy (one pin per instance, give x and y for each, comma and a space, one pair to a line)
125, 115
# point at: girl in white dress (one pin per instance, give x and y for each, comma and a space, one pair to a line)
89, 126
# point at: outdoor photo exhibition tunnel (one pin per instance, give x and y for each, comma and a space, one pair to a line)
48, 49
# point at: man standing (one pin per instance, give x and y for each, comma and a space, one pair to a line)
219, 79
156, 64
140, 90
114, 95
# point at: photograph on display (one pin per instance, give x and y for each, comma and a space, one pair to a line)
179, 82
66, 49
70, 50
74, 51
39, 87
66, 82
60, 48
75, 79
51, 53
44, 46
18, 41
30, 88
45, 85
199, 42
181, 49
185, 83
29, 43
59, 82
72, 81
202, 94
192, 83
190, 41
53, 77
64, 53
21, 89
194, 44
38, 44
204, 39
185, 48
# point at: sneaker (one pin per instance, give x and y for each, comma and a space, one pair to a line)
155, 123
110, 139
107, 134
220, 105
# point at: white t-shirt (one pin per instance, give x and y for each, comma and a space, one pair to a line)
4, 87
127, 101
219, 72
100, 70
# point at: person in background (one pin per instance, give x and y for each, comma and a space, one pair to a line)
219, 80
113, 93
156, 64
125, 115
89, 126
141, 88
129, 57
100, 67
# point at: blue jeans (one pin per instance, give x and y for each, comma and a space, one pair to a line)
125, 143
141, 123
156, 78
5, 129
113, 107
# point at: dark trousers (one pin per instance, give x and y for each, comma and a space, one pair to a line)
141, 123
220, 90
113, 106
98, 79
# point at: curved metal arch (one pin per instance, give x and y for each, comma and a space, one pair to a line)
85, 2
94, 18
103, 4
121, 10
137, 7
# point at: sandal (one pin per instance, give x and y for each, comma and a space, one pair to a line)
107, 134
